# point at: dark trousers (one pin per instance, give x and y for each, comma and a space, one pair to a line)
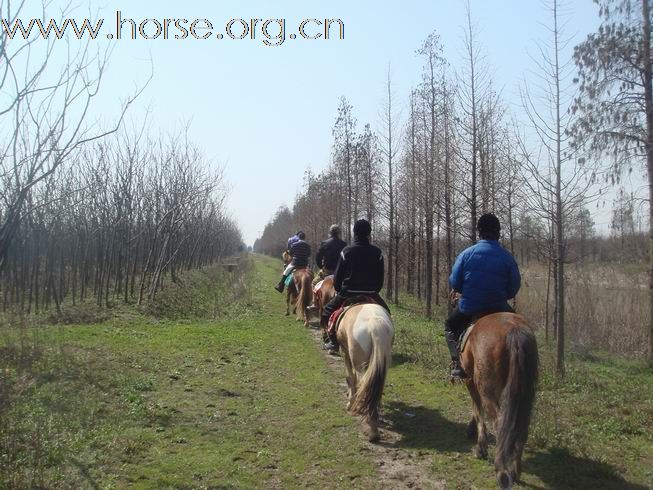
340, 298
458, 321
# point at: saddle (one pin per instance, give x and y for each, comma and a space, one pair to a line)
336, 316
290, 277
463, 338
317, 289
462, 341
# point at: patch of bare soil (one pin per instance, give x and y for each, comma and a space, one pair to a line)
397, 467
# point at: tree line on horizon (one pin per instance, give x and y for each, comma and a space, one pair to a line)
461, 153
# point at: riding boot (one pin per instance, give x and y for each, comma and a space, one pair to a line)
457, 371
332, 346
279, 287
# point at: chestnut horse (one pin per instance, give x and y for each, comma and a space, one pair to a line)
303, 283
365, 334
500, 357
291, 291
322, 296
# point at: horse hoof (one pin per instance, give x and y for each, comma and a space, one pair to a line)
479, 452
374, 437
287, 313
504, 480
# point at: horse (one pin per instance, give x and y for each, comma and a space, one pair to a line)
291, 290
365, 335
322, 296
500, 358
303, 285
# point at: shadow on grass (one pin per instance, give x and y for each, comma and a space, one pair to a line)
426, 428
400, 358
558, 468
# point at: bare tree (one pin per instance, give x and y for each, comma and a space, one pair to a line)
615, 105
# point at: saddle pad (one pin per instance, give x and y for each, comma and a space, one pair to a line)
288, 280
317, 287
336, 316
463, 340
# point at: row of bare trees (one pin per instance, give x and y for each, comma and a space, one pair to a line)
114, 221
461, 152
90, 213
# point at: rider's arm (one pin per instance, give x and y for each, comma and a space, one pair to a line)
320, 255
339, 274
380, 273
514, 279
457, 276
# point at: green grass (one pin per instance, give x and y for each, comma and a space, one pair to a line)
209, 388
244, 401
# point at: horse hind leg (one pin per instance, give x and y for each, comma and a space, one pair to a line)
373, 428
478, 419
352, 380
515, 463
472, 429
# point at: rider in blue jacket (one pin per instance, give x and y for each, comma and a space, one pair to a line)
485, 276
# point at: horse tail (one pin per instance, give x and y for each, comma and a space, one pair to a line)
370, 388
305, 294
518, 395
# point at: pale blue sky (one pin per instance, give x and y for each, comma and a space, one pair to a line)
265, 113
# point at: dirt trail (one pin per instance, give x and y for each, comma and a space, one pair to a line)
397, 467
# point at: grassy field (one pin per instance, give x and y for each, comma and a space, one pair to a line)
214, 388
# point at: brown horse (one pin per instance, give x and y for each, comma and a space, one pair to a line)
500, 357
322, 296
303, 283
291, 290
365, 335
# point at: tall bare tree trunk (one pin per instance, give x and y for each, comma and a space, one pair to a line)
648, 98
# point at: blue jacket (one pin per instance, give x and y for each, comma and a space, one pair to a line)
486, 275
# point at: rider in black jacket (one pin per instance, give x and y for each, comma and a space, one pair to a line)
329, 252
360, 271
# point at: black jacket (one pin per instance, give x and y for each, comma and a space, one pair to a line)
329, 252
360, 269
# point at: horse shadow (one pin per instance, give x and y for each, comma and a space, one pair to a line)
401, 358
558, 468
425, 428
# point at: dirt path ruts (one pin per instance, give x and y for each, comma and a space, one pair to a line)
398, 468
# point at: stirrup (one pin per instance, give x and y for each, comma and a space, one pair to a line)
457, 373
331, 347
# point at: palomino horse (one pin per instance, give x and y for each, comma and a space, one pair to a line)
303, 282
291, 291
365, 335
500, 357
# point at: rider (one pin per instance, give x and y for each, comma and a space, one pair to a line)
329, 252
485, 276
292, 240
359, 271
300, 252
